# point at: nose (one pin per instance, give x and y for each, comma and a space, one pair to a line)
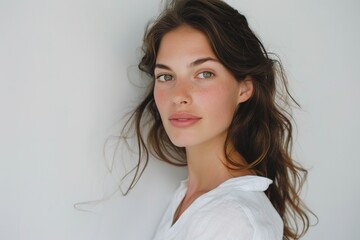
181, 92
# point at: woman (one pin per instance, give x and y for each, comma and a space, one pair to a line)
213, 105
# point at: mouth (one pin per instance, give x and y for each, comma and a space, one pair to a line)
182, 120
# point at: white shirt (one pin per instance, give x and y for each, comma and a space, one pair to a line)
237, 209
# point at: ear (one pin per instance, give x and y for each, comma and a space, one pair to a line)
246, 89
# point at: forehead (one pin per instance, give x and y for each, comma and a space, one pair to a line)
184, 43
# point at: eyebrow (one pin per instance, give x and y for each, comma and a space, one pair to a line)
192, 64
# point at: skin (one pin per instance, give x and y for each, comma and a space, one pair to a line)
191, 80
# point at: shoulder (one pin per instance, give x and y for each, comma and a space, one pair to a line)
226, 220
239, 215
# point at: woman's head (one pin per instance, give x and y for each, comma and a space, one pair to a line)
239, 51
259, 130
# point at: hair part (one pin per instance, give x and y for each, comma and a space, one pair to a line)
261, 129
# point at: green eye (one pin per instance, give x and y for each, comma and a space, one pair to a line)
206, 74
164, 77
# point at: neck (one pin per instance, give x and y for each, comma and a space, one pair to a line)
207, 166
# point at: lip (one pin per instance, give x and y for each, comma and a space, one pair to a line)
183, 120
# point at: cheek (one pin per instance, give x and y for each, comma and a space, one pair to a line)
160, 99
220, 104
219, 99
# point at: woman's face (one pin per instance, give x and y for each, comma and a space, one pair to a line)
195, 94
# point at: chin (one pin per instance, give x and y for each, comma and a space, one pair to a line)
184, 138
181, 142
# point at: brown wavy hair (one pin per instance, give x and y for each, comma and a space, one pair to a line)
261, 129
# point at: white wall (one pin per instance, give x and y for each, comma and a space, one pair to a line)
64, 86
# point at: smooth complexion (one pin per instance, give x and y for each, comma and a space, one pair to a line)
196, 97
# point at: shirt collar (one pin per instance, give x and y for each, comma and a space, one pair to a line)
243, 183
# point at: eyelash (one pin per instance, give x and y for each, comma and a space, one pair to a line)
163, 75
211, 74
